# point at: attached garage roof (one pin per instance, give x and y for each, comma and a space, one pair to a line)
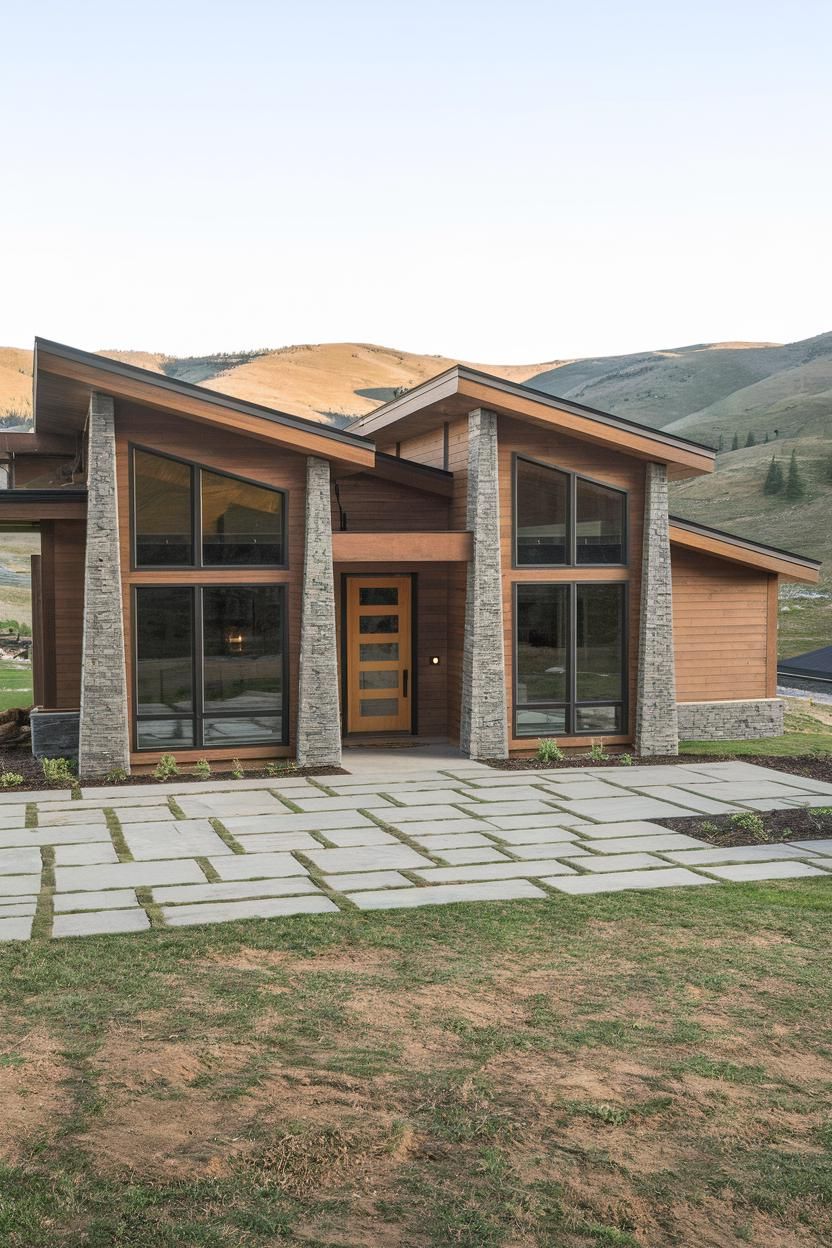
814, 664
722, 545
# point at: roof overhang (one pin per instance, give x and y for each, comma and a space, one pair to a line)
721, 545
64, 379
30, 506
461, 390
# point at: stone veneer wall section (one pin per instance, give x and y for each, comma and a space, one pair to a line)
741, 720
484, 714
319, 719
104, 735
657, 730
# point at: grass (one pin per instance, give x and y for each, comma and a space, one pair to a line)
627, 1069
15, 684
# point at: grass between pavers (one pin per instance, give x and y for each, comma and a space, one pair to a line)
627, 1069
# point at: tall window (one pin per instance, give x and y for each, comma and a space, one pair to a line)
210, 666
563, 520
569, 661
189, 517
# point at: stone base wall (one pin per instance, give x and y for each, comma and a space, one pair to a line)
55, 733
730, 721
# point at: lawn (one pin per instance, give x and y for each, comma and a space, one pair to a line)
631, 1069
808, 730
15, 684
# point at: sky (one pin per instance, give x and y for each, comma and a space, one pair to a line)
497, 182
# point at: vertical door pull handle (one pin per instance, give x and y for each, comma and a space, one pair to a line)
404, 683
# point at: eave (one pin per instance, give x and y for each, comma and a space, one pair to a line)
720, 545
460, 390
65, 377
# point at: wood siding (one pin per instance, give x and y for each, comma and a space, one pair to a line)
374, 505
63, 546
724, 631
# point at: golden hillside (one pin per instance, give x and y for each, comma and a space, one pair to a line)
318, 381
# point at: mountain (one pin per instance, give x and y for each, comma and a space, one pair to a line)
710, 392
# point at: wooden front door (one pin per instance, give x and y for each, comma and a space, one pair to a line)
378, 650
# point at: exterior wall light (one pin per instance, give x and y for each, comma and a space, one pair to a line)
434, 658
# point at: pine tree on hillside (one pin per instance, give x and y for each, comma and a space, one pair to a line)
750, 440
774, 482
735, 445
795, 489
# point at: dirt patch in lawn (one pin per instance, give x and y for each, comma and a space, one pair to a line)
772, 827
32, 1096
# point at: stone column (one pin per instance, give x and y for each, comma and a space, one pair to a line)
484, 719
319, 719
657, 729
104, 737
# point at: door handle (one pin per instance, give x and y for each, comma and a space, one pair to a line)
405, 676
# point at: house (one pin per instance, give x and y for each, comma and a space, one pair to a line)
811, 671
473, 562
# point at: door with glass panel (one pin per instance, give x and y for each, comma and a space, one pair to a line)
378, 654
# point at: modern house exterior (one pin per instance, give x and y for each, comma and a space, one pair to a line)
474, 562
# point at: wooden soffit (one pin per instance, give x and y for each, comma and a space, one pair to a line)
721, 545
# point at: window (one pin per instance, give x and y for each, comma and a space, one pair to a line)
542, 496
210, 666
563, 520
239, 523
569, 659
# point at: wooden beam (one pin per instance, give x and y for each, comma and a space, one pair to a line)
72, 509
37, 444
444, 546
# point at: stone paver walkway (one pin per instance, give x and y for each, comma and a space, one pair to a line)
130, 858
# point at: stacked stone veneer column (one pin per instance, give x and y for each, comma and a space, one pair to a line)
484, 720
657, 729
104, 737
319, 720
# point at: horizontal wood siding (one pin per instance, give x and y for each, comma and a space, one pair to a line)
229, 452
425, 448
431, 637
374, 505
63, 547
723, 639
610, 467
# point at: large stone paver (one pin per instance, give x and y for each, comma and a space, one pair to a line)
616, 882
454, 840
279, 842
85, 854
552, 819
31, 795
128, 875
358, 836
55, 836
397, 857
416, 814
533, 836
12, 816
112, 899
493, 871
19, 861
18, 928
692, 801
356, 881
17, 907
19, 885
100, 923
444, 827
507, 793
227, 911
550, 849
232, 804
185, 838
65, 818
462, 857
297, 823
765, 871
618, 809
494, 810
741, 853
630, 827
142, 814
616, 862
580, 790
646, 844
252, 866
235, 890
823, 845
444, 894
737, 791
313, 805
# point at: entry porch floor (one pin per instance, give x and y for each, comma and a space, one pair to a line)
396, 832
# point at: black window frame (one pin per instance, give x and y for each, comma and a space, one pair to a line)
571, 516
571, 703
196, 470
197, 714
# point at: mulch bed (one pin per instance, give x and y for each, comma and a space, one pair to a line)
815, 766
20, 760
769, 828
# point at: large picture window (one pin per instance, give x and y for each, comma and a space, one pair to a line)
186, 516
569, 666
210, 666
564, 520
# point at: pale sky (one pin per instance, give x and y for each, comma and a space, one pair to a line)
499, 182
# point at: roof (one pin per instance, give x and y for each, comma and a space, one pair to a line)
722, 545
64, 378
814, 664
460, 389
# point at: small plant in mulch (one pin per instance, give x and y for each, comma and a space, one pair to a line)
9, 779
57, 770
597, 753
117, 776
280, 769
625, 760
747, 828
548, 751
237, 769
202, 769
166, 768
